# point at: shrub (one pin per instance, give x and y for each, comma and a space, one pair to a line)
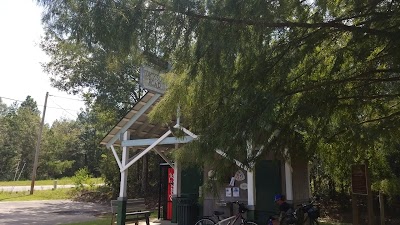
82, 178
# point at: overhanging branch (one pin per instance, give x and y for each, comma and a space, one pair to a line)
336, 24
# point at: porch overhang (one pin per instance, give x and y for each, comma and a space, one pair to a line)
136, 121
144, 135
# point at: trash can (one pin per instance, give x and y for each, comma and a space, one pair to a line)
174, 210
187, 211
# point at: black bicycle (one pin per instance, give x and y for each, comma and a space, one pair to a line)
304, 212
309, 211
216, 219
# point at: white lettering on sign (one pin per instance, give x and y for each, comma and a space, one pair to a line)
170, 184
151, 80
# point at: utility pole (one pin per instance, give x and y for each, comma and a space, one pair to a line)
35, 163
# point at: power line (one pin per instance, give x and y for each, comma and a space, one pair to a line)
40, 105
62, 108
74, 99
11, 99
75, 110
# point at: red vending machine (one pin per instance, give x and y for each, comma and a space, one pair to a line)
170, 191
166, 191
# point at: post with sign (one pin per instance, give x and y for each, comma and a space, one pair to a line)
150, 79
361, 186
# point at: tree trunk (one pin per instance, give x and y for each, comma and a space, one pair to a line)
138, 170
332, 191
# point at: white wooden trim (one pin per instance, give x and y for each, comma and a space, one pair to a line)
288, 177
133, 119
116, 157
176, 177
186, 131
125, 167
164, 157
250, 178
124, 173
250, 189
166, 141
238, 163
273, 135
289, 181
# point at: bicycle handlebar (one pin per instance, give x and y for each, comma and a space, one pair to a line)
306, 203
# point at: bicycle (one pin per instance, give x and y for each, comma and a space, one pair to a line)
297, 217
312, 212
232, 220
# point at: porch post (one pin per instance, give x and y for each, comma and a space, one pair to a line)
289, 182
122, 199
251, 197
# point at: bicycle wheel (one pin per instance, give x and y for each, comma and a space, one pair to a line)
313, 222
205, 221
249, 223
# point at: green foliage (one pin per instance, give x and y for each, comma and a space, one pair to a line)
18, 135
390, 187
110, 172
313, 79
66, 145
62, 193
62, 181
59, 150
82, 179
94, 123
30, 104
136, 173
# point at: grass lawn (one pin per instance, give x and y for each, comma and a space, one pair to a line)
103, 221
62, 181
327, 223
62, 193
333, 223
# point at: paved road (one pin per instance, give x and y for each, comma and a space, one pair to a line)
28, 188
48, 212
53, 212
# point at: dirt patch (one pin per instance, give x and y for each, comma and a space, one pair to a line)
341, 211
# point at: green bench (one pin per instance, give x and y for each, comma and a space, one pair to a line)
134, 211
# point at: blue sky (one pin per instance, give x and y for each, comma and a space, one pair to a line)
20, 56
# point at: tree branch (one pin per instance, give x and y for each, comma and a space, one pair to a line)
335, 24
359, 77
364, 122
380, 118
368, 97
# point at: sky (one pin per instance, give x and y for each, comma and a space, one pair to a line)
21, 73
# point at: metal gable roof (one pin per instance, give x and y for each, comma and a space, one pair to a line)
142, 127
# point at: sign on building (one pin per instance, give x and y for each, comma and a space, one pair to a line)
170, 192
151, 80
